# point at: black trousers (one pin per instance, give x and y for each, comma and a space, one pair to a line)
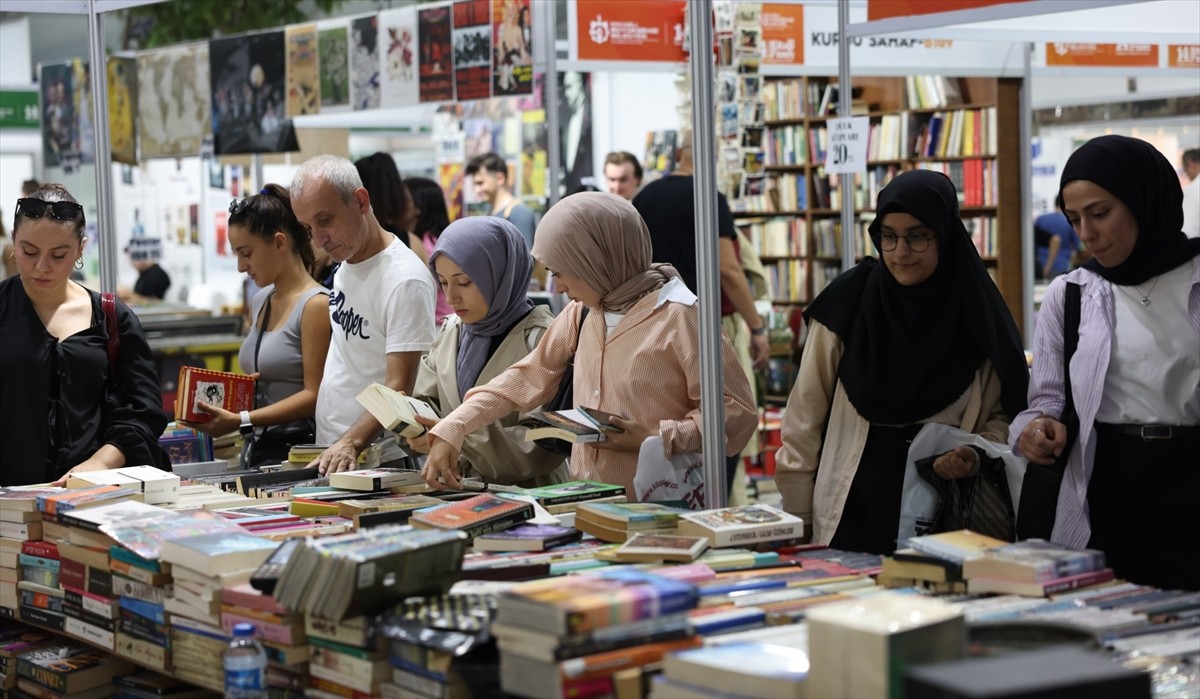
1142, 505
871, 517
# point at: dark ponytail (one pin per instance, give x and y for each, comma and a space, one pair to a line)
269, 211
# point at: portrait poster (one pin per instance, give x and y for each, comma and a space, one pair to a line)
398, 50
56, 82
575, 128
174, 105
122, 108
436, 64
512, 48
303, 71
473, 49
364, 62
333, 55
450, 177
83, 135
249, 84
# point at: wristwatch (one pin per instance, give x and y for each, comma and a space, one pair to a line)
246, 427
759, 331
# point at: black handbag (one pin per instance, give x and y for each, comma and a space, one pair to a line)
981, 503
1039, 489
565, 398
272, 444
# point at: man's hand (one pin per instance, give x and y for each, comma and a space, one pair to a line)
760, 350
628, 441
1043, 440
420, 443
441, 467
957, 463
340, 456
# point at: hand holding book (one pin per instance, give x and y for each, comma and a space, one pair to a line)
420, 443
629, 439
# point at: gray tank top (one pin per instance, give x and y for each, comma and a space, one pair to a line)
279, 365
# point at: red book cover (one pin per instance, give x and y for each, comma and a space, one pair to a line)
41, 549
465, 514
233, 392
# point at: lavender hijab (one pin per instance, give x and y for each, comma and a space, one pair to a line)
494, 254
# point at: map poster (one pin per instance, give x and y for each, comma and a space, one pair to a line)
248, 87
512, 48
174, 101
473, 49
398, 49
122, 109
56, 81
364, 62
303, 79
334, 57
436, 64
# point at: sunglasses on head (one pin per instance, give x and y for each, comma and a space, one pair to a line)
237, 206
61, 210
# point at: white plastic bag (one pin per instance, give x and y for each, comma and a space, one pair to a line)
919, 499
662, 477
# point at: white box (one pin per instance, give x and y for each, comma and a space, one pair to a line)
158, 486
91, 479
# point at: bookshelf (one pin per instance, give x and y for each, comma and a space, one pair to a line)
967, 128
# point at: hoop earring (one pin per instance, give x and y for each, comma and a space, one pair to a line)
79, 262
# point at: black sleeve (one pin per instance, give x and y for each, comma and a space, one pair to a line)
135, 419
153, 283
725, 228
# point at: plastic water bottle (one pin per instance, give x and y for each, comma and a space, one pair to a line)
245, 665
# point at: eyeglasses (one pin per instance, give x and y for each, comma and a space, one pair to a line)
917, 242
237, 206
61, 210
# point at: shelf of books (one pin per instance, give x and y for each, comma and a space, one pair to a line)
966, 128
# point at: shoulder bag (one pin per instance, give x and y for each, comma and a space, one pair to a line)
272, 444
565, 398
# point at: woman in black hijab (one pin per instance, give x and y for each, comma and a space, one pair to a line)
1131, 479
922, 337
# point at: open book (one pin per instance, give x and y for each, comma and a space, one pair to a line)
577, 426
394, 410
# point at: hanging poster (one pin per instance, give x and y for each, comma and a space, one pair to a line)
398, 50
1183, 55
450, 177
334, 58
575, 129
303, 79
650, 30
122, 106
1102, 55
58, 111
473, 49
248, 86
174, 101
436, 63
364, 62
783, 34
533, 154
512, 54
83, 141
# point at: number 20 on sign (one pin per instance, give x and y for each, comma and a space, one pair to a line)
847, 151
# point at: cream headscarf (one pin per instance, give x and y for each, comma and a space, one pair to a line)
603, 240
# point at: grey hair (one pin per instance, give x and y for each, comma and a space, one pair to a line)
337, 172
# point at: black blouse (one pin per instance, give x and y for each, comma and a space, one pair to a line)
57, 405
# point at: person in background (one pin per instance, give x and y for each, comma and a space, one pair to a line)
66, 404
923, 337
1062, 242
28, 187
8, 257
381, 308
622, 174
390, 199
483, 266
1191, 193
635, 354
489, 174
431, 218
153, 281
289, 335
1130, 482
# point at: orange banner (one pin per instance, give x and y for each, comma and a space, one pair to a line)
887, 9
783, 34
1184, 56
1103, 55
630, 30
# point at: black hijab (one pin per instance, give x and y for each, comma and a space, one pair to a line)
911, 351
1136, 173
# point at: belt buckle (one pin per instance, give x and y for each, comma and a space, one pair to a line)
1152, 432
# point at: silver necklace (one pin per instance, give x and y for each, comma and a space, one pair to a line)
1146, 296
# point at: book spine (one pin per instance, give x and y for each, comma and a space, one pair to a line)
136, 589
283, 634
787, 530
41, 549
143, 628
153, 612
41, 600
72, 611
28, 561
1084, 580
46, 677
42, 617
89, 632
141, 652
136, 572
579, 497
102, 607
501, 523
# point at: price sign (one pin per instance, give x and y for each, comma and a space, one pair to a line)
847, 152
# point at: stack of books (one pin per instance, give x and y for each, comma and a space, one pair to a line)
280, 630
67, 669
564, 499
393, 509
616, 522
17, 638
567, 637
909, 567
1035, 568
302, 455
21, 528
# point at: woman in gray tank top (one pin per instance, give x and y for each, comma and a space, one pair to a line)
289, 338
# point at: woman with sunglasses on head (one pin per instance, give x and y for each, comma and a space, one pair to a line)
289, 337
1130, 481
63, 406
922, 337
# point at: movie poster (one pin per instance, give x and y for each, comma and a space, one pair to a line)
334, 57
364, 62
398, 49
303, 77
450, 177
512, 48
436, 64
249, 84
174, 101
575, 129
122, 109
57, 81
473, 49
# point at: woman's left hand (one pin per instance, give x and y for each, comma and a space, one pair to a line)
89, 465
629, 441
420, 443
223, 422
957, 463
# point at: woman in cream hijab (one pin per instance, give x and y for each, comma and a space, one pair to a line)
635, 354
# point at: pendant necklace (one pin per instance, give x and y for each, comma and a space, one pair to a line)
1146, 296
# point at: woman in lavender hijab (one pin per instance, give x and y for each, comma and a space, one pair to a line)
483, 266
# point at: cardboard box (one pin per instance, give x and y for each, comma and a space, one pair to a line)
158, 486
91, 479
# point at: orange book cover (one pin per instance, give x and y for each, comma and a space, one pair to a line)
467, 513
233, 392
607, 663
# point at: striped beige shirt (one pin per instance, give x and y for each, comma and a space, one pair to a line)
648, 368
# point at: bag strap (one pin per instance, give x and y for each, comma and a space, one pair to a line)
108, 306
264, 317
1071, 315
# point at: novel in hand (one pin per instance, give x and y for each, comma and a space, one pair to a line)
233, 392
578, 426
395, 411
